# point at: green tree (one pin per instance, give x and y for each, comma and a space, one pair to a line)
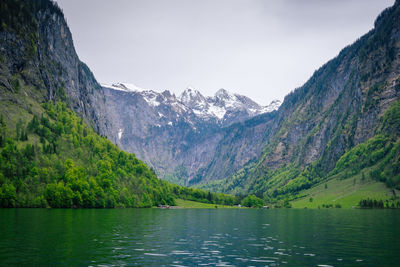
252, 201
8, 196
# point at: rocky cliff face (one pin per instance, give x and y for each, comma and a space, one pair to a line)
178, 136
37, 50
340, 106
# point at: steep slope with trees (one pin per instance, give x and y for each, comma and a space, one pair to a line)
339, 108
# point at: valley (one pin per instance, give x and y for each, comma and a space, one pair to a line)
179, 136
343, 122
111, 174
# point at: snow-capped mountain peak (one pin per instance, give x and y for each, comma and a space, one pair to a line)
127, 87
190, 94
224, 107
274, 105
193, 99
222, 93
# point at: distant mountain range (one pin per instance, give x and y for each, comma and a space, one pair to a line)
167, 131
223, 107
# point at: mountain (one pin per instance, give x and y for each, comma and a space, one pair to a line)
37, 50
53, 119
340, 129
224, 108
176, 135
340, 114
229, 143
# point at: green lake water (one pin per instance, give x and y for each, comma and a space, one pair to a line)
199, 237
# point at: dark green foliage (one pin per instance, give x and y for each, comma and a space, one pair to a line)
21, 131
16, 14
381, 37
252, 201
370, 101
285, 203
61, 95
8, 196
371, 203
198, 195
16, 85
3, 127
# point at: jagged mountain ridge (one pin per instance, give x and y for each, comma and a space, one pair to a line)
177, 136
223, 107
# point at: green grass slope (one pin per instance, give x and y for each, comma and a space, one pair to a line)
346, 193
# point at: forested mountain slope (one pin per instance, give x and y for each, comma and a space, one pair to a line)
340, 107
51, 114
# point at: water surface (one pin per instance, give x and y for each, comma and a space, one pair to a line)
196, 237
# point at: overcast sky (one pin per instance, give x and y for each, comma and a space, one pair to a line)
259, 48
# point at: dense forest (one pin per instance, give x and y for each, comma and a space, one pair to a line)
56, 160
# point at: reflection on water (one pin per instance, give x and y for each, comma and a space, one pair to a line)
199, 237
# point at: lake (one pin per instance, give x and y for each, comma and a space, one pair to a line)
199, 237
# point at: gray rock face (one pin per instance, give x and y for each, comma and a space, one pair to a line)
42, 54
340, 106
178, 136
84, 93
